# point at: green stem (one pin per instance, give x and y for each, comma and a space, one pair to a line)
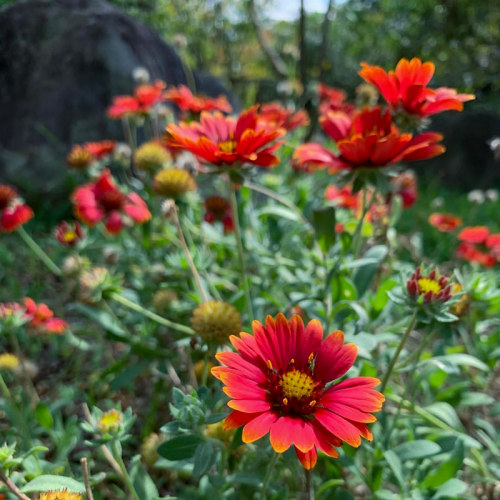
239, 246
204, 374
35, 248
192, 267
398, 351
151, 315
356, 238
125, 476
280, 199
267, 477
309, 494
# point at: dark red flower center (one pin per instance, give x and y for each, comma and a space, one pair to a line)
294, 391
111, 200
7, 195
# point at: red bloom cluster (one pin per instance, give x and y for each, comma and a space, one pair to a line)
69, 235
432, 288
479, 245
406, 88
333, 99
367, 139
218, 208
279, 383
13, 212
41, 319
445, 222
225, 141
343, 197
186, 101
103, 200
81, 156
273, 115
145, 97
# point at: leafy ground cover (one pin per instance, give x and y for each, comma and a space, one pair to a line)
123, 370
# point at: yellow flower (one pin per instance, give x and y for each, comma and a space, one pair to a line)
214, 321
173, 182
60, 495
9, 362
79, 157
110, 421
151, 156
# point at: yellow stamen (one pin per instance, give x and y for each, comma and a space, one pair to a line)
228, 146
292, 361
285, 401
296, 384
69, 236
427, 285
269, 364
312, 403
311, 357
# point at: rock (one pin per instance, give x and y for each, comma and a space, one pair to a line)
61, 63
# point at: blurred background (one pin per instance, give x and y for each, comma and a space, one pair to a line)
62, 61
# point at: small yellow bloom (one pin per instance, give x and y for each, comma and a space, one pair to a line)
110, 421
173, 182
60, 495
214, 321
9, 362
151, 156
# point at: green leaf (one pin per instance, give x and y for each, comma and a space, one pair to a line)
447, 469
42, 414
324, 227
475, 399
203, 458
103, 318
414, 450
452, 488
364, 274
279, 211
463, 360
395, 464
446, 413
381, 297
125, 378
180, 447
49, 482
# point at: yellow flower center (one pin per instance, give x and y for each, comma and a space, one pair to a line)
69, 236
8, 361
110, 420
427, 285
296, 384
228, 146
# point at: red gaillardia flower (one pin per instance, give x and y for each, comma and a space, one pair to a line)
273, 115
69, 234
343, 197
145, 97
41, 319
432, 288
474, 234
406, 87
218, 208
224, 141
279, 382
103, 200
368, 139
333, 99
186, 101
82, 156
100, 149
470, 253
445, 222
13, 212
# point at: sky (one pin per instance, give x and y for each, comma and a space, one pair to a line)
288, 10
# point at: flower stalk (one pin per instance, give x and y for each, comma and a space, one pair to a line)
267, 477
398, 351
239, 246
115, 446
37, 250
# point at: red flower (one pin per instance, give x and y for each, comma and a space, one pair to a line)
13, 213
186, 101
273, 115
474, 234
100, 149
224, 141
279, 382
333, 99
41, 318
469, 252
406, 87
67, 235
102, 200
445, 222
493, 240
218, 208
145, 97
368, 139
343, 197
405, 185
